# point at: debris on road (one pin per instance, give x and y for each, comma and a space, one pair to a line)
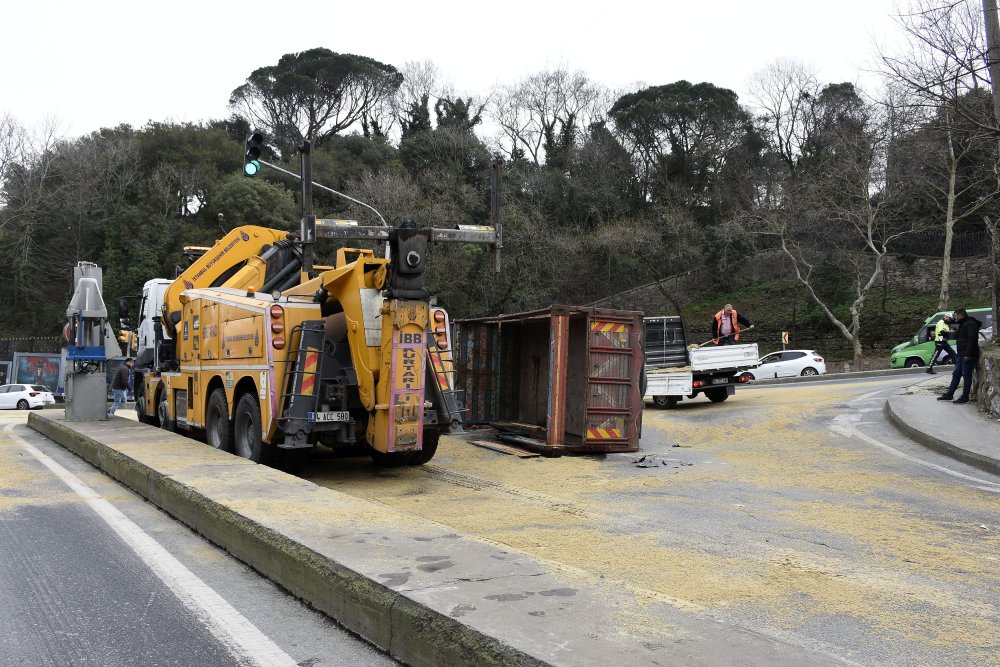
505, 449
653, 461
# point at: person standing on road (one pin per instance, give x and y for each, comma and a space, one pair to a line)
967, 342
726, 326
942, 331
120, 385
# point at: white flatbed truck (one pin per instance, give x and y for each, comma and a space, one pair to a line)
675, 372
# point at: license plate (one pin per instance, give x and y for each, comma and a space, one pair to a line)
341, 416
720, 380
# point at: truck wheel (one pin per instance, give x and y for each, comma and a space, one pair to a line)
163, 412
431, 438
246, 428
665, 401
140, 405
717, 394
218, 427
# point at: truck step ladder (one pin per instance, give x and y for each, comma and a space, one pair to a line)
300, 390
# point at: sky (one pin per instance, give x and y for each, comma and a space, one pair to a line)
87, 65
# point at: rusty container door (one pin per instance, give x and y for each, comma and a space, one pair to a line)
479, 369
604, 413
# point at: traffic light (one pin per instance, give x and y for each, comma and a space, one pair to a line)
251, 160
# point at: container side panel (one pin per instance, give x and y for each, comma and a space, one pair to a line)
578, 371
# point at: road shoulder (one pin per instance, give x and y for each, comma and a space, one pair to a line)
958, 431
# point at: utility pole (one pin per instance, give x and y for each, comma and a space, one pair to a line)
993, 60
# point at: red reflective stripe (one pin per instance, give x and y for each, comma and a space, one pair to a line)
309, 379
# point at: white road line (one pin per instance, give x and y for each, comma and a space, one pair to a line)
846, 424
243, 640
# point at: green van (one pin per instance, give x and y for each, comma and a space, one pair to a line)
918, 350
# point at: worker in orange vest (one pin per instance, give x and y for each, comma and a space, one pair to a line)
727, 324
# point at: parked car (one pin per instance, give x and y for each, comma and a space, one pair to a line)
788, 363
918, 350
25, 396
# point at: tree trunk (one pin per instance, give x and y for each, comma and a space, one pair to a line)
994, 228
949, 223
993, 52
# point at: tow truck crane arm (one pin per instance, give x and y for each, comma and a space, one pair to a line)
234, 261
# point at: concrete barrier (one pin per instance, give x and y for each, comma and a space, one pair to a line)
881, 372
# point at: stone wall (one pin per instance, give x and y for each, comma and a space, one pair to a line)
987, 385
967, 275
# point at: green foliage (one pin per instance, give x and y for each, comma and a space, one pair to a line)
683, 132
313, 95
244, 201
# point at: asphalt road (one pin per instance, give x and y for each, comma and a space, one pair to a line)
91, 574
795, 511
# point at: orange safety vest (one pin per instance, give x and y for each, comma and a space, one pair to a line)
718, 325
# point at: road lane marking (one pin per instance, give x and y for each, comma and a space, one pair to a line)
247, 644
846, 424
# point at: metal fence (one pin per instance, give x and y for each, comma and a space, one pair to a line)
49, 345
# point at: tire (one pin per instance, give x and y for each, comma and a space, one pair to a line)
642, 383
23, 405
246, 428
163, 411
218, 426
809, 371
665, 402
913, 362
717, 394
431, 438
140, 406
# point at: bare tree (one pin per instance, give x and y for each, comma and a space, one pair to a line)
941, 75
841, 204
944, 57
784, 95
546, 109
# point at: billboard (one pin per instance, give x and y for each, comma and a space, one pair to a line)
37, 368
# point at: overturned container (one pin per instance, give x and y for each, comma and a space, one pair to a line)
564, 379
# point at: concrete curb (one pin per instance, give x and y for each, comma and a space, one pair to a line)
974, 459
882, 372
408, 631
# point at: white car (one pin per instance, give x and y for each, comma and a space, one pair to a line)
788, 363
25, 396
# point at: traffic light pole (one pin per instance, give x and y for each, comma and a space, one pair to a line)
308, 225
325, 189
491, 235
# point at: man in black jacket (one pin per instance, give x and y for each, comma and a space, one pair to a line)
967, 344
120, 385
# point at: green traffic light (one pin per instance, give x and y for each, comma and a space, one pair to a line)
251, 168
